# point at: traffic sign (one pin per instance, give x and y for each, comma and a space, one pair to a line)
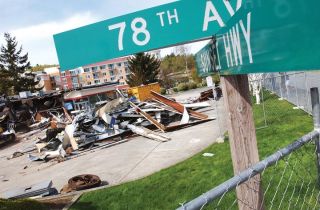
204, 60
167, 25
270, 36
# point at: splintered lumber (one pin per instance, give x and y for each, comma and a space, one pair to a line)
177, 106
148, 133
148, 117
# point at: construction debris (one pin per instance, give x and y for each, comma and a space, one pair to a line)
41, 189
148, 133
81, 182
215, 94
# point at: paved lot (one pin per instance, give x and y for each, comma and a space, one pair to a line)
132, 160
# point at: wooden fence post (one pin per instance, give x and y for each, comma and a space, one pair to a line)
243, 142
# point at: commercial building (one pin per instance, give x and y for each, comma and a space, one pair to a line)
87, 97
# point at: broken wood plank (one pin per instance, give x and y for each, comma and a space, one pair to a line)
148, 133
148, 117
177, 106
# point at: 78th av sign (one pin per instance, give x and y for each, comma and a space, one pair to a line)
171, 24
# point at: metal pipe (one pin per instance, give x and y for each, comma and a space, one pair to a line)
245, 175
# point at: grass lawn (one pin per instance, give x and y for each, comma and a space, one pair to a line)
198, 174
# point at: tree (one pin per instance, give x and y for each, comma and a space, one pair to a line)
42, 67
14, 68
144, 69
173, 70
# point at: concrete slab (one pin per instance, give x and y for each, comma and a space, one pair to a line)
132, 160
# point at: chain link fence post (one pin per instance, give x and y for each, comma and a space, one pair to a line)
316, 121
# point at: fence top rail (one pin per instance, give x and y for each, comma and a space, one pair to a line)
245, 175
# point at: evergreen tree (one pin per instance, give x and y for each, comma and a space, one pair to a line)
14, 67
144, 69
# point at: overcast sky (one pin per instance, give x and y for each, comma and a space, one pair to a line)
34, 22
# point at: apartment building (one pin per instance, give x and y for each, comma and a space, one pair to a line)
110, 71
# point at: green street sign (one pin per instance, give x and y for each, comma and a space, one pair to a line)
204, 60
163, 26
270, 36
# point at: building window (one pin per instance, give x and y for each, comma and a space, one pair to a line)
111, 73
113, 78
126, 63
121, 77
88, 76
88, 83
94, 68
105, 80
103, 67
111, 66
119, 64
63, 74
74, 80
73, 73
95, 75
86, 70
104, 74
97, 82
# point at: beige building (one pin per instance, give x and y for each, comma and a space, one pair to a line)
106, 71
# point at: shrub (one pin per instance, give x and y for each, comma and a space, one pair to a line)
175, 89
204, 83
192, 85
216, 79
199, 85
183, 87
163, 91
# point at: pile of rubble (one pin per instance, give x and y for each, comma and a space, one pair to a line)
110, 123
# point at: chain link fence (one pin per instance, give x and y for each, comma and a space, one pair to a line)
287, 179
293, 87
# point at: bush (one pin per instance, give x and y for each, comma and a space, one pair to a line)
204, 83
163, 91
183, 87
192, 85
216, 79
175, 89
199, 85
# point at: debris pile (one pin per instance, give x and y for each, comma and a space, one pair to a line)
109, 124
215, 94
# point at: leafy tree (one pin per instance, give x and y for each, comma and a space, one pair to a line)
14, 67
173, 70
144, 69
42, 67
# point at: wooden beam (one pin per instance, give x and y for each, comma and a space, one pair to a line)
177, 106
243, 142
148, 117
